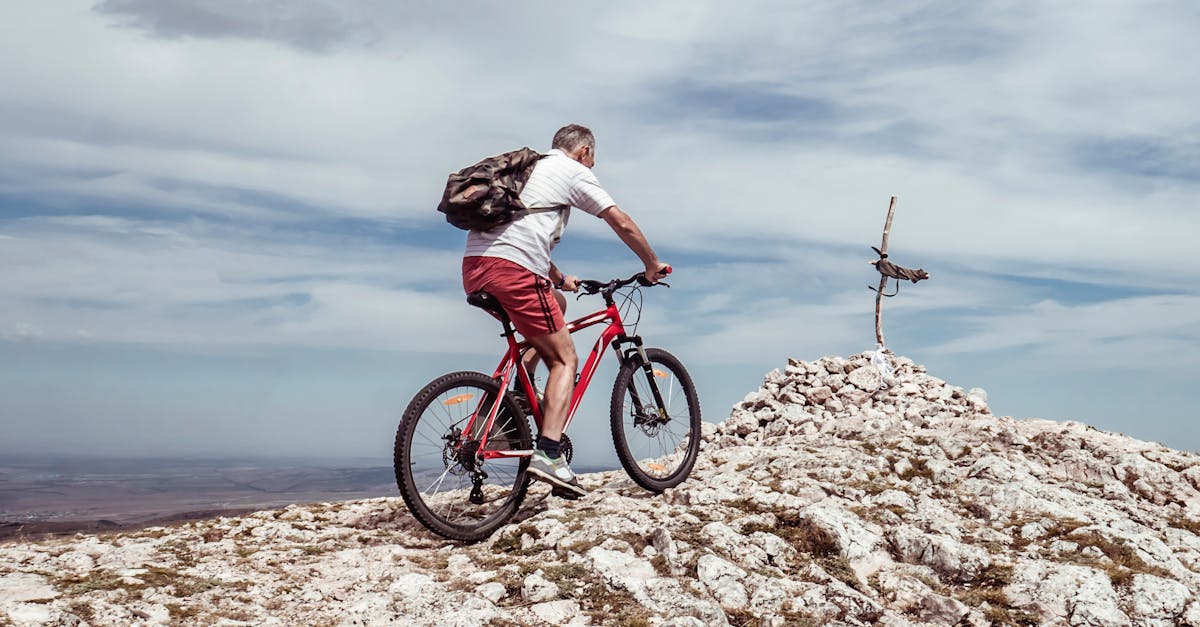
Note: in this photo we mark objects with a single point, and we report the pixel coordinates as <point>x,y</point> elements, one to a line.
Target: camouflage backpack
<point>488,194</point>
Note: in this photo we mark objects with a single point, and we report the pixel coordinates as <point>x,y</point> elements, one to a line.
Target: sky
<point>218,232</point>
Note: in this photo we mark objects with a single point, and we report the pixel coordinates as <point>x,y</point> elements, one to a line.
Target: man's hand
<point>570,283</point>
<point>656,271</point>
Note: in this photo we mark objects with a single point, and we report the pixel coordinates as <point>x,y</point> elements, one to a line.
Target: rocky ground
<point>825,498</point>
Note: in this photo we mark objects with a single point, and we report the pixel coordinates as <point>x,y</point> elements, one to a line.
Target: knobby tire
<point>657,455</point>
<point>433,480</point>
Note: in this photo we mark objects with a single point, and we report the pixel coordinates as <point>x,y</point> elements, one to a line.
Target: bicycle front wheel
<point>441,470</point>
<point>655,418</point>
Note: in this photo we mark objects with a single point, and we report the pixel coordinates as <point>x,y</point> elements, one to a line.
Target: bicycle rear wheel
<point>657,444</point>
<point>444,479</point>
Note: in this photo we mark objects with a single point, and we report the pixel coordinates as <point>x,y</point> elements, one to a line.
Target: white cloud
<point>23,332</point>
<point>131,281</point>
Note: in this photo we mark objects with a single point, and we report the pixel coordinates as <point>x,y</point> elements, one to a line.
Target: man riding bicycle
<point>512,263</point>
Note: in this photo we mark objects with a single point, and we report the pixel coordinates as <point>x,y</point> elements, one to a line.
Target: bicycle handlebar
<point>592,286</point>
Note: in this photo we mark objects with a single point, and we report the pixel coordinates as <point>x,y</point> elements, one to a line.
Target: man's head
<point>577,142</point>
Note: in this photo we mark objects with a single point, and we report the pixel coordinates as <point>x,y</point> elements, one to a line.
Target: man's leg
<point>558,351</point>
<point>531,357</point>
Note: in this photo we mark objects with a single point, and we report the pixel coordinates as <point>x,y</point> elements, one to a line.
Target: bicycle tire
<point>655,454</point>
<point>426,447</point>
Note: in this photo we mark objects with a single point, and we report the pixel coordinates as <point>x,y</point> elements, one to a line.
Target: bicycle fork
<point>640,414</point>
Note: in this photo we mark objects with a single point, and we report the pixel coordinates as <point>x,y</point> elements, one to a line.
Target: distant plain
<point>56,494</point>
<point>61,495</point>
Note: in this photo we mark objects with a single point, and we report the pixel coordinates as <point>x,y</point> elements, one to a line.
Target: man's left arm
<point>628,231</point>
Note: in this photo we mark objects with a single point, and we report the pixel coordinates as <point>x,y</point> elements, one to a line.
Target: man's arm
<point>629,233</point>
<point>564,282</point>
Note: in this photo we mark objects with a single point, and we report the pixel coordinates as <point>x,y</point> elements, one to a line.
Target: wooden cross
<point>888,270</point>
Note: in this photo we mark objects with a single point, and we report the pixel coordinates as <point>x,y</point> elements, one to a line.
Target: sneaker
<point>556,472</point>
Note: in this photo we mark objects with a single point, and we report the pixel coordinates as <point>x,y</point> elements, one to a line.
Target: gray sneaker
<point>556,472</point>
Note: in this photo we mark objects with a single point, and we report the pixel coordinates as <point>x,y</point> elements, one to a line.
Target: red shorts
<point>526,297</point>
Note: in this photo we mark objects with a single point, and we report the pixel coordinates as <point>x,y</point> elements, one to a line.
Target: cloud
<point>22,332</point>
<point>124,280</point>
<point>314,26</point>
<point>1143,332</point>
<point>1152,157</point>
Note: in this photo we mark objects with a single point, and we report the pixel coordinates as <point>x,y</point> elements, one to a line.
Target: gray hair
<point>572,136</point>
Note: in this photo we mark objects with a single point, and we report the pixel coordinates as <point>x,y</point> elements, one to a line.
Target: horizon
<point>218,227</point>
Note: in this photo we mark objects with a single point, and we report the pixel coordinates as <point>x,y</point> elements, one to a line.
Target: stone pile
<point>831,495</point>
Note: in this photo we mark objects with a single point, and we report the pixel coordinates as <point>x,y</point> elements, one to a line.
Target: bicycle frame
<point>512,365</point>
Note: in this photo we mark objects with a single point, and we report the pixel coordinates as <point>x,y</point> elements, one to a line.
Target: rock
<point>867,379</point>
<point>25,587</point>
<point>564,612</point>
<point>668,597</point>
<point>536,589</point>
<point>951,559</point>
<point>1065,593</point>
<point>847,533</point>
<point>1158,601</point>
<point>621,570</point>
<point>688,621</point>
<point>819,395</point>
<point>492,591</point>
<point>723,581</point>
<point>27,613</point>
<point>941,610</point>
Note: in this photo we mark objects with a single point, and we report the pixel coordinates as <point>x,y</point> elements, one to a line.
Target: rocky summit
<point>839,493</point>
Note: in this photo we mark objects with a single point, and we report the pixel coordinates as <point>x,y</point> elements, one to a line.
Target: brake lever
<point>589,287</point>
<point>644,282</point>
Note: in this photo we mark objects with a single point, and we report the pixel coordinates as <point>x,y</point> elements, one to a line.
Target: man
<point>512,263</point>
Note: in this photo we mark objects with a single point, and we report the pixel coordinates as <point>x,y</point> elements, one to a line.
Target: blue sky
<point>217,225</point>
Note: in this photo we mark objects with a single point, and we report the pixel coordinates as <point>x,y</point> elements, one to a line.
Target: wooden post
<point>887,229</point>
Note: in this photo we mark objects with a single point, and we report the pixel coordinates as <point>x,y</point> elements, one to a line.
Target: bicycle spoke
<point>437,483</point>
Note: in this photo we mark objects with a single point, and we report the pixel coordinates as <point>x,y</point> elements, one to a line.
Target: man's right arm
<point>628,231</point>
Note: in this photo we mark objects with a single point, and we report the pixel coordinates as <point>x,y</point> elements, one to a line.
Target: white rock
<point>492,591</point>
<point>621,570</point>
<point>723,581</point>
<point>536,588</point>
<point>408,586</point>
<point>1157,600</point>
<point>941,610</point>
<point>688,621</point>
<point>951,559</point>
<point>867,379</point>
<point>21,587</point>
<point>854,539</point>
<point>26,613</point>
<point>1066,593</point>
<point>564,612</point>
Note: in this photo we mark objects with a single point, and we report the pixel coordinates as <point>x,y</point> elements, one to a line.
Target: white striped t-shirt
<point>556,181</point>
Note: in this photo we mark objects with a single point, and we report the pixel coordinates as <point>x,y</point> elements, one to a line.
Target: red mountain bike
<point>464,441</point>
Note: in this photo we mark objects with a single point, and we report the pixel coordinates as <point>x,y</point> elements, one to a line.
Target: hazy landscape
<point>64,494</point>
<point>69,494</point>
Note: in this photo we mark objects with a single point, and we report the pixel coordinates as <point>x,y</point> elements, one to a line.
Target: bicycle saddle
<point>488,303</point>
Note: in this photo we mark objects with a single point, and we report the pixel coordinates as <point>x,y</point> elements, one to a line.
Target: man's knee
<point>556,349</point>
